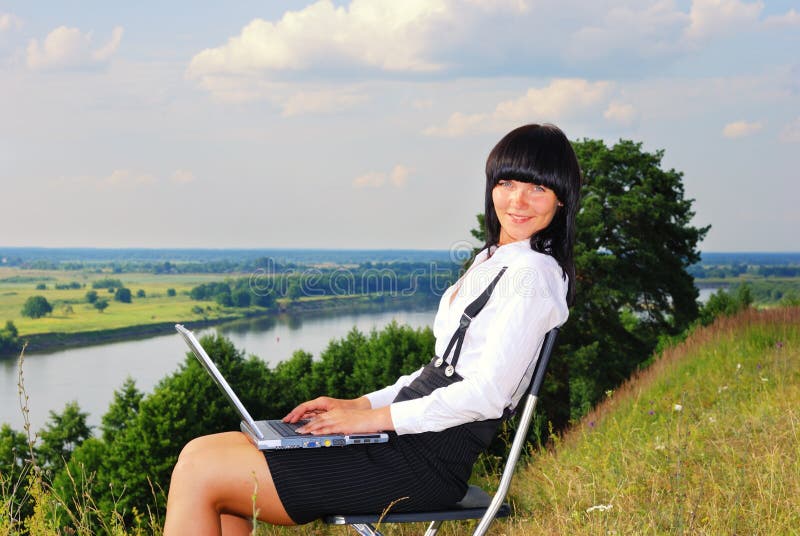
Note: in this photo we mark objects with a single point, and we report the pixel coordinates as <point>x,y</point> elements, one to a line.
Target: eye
<point>503,183</point>
<point>538,188</point>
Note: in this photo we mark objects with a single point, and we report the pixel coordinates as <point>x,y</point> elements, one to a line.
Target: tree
<point>101,305</point>
<point>140,293</point>
<point>634,245</point>
<point>91,296</point>
<point>123,295</point>
<point>36,307</point>
<point>171,292</point>
<point>9,339</point>
<point>63,434</point>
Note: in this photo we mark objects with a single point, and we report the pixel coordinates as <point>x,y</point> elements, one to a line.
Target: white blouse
<point>501,344</point>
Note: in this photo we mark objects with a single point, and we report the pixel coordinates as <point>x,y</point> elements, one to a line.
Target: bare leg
<point>221,477</point>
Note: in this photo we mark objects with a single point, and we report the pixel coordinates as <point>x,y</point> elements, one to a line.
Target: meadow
<point>73,314</point>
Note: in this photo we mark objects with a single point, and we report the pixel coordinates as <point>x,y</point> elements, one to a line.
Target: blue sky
<point>366,124</point>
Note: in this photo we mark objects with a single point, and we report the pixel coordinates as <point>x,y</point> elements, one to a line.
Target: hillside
<point>706,441</point>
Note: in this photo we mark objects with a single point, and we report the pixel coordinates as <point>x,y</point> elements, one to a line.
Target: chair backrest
<point>522,431</point>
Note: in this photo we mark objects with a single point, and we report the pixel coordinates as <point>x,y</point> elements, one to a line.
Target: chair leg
<point>365,529</point>
<point>433,528</point>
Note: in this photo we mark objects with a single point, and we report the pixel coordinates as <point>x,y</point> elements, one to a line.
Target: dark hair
<point>539,154</point>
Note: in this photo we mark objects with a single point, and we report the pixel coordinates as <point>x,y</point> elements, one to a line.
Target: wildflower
<point>609,393</point>
<point>651,412</point>
<point>712,419</point>
<point>723,388</point>
<point>738,366</point>
<point>678,407</point>
<point>764,379</point>
<point>779,344</point>
<point>591,424</point>
<point>600,507</point>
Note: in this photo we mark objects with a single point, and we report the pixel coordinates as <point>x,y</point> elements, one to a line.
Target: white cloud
<point>382,34</point>
<point>643,29</point>
<point>397,177</point>
<point>320,101</point>
<point>562,98</point>
<point>126,178</point>
<point>740,129</point>
<point>9,21</point>
<point>70,48</point>
<point>710,18</point>
<point>621,113</point>
<point>183,176</point>
<point>791,132</point>
<point>789,19</point>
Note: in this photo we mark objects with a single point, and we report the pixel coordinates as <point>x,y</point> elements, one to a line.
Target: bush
<point>91,296</point>
<point>171,292</point>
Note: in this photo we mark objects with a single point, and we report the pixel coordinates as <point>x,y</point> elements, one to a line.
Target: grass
<point>705,441</point>
<point>155,307</point>
<point>72,314</point>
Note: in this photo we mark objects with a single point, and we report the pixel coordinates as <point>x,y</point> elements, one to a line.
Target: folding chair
<point>476,504</point>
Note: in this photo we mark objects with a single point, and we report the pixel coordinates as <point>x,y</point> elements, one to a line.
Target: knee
<point>192,460</point>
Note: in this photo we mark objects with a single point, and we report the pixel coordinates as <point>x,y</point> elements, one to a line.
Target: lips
<point>517,218</point>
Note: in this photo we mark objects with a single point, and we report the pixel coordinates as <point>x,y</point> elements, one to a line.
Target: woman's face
<point>523,209</point>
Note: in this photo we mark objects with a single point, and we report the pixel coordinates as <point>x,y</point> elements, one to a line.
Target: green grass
<point>155,307</point>
<point>706,441</point>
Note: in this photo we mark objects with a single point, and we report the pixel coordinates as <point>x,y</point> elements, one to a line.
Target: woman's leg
<point>221,475</point>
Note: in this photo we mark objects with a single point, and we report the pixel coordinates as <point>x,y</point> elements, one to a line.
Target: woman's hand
<point>336,416</point>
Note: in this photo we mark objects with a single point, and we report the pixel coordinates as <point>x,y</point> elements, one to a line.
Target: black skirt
<point>411,472</point>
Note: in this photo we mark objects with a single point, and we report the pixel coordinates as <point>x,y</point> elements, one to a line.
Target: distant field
<point>16,286</point>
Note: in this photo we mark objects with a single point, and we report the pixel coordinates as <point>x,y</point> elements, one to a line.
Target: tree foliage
<point>9,339</point>
<point>123,294</point>
<point>36,307</point>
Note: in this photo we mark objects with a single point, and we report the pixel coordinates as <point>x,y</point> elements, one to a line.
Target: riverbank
<point>308,307</point>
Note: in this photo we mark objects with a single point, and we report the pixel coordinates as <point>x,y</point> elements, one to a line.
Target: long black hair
<point>539,154</point>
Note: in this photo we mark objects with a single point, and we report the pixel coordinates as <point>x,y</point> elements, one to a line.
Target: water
<point>90,375</point>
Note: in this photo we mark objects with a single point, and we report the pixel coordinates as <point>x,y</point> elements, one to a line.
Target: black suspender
<point>469,313</point>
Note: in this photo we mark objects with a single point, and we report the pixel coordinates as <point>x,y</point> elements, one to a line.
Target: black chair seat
<point>472,506</point>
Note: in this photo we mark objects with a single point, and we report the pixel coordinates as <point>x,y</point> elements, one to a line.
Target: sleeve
<point>383,397</point>
<point>506,347</point>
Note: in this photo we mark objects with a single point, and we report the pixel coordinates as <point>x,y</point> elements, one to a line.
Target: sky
<point>366,123</point>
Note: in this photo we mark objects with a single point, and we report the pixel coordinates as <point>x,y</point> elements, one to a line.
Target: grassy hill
<point>706,441</point>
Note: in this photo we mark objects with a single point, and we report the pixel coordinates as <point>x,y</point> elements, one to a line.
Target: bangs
<point>536,157</point>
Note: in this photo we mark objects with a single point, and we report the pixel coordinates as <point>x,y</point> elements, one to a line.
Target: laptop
<point>272,434</point>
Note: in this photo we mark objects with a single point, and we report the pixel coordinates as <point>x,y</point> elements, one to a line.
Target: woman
<point>488,328</point>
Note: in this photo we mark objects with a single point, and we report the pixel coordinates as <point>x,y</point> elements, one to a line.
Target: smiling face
<point>523,209</point>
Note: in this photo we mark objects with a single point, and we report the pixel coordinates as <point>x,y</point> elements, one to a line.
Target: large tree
<point>36,307</point>
<point>634,244</point>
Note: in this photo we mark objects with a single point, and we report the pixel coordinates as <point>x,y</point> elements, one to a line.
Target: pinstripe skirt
<point>411,472</point>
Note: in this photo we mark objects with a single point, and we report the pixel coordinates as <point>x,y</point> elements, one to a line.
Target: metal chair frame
<point>476,504</point>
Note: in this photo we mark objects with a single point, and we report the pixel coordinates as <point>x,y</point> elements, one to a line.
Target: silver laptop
<point>273,434</point>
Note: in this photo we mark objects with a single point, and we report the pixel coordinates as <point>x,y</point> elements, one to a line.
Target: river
<point>90,375</point>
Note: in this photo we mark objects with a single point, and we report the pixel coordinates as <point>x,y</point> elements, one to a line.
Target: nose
<point>518,198</point>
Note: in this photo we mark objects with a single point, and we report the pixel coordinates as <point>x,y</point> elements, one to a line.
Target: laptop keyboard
<point>287,429</point>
